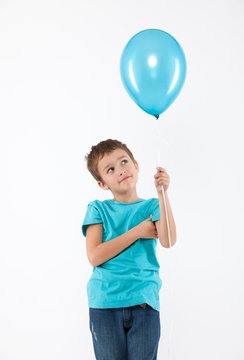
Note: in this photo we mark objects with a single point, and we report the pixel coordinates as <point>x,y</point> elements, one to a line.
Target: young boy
<point>121,239</point>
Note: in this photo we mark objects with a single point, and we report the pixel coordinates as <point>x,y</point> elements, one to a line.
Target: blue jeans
<point>129,333</point>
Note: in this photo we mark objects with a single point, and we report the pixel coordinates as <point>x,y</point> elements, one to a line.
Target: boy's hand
<point>147,229</point>
<point>161,178</point>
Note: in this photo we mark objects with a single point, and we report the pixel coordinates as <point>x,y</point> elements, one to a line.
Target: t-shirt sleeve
<point>155,211</point>
<point>92,217</point>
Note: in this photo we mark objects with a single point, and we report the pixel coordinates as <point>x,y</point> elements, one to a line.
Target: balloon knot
<point>156,116</point>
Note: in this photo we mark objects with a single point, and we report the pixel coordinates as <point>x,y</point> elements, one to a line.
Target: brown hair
<point>98,151</point>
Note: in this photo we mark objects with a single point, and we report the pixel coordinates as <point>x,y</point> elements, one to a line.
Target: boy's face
<point>113,169</point>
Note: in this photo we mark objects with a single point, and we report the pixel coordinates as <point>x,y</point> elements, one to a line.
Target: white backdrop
<point>61,93</point>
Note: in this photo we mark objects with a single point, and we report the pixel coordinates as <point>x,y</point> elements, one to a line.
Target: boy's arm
<point>161,225</point>
<point>101,252</point>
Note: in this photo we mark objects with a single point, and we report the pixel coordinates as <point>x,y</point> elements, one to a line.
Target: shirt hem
<point>122,303</point>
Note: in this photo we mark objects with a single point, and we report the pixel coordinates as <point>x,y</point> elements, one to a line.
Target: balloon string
<point>159,141</point>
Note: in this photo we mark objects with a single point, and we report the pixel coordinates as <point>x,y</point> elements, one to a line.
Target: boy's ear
<point>102,185</point>
<point>136,165</point>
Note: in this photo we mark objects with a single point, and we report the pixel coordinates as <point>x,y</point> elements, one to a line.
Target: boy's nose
<point>122,172</point>
<point>122,175</point>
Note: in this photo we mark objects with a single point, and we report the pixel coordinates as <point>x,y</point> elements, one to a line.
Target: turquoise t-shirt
<point>131,277</point>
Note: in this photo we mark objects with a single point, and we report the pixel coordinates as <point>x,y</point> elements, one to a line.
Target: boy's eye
<point>112,167</point>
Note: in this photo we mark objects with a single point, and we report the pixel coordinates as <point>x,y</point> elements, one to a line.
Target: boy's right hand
<point>147,229</point>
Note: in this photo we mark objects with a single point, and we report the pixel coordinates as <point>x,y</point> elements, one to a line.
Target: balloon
<point>153,69</point>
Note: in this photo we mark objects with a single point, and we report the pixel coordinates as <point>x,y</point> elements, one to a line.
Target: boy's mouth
<point>125,178</point>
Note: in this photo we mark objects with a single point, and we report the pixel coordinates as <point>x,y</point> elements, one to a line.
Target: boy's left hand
<point>161,178</point>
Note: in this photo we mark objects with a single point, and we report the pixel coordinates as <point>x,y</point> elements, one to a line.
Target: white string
<point>159,142</point>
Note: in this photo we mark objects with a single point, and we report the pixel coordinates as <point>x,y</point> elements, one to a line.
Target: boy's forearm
<point>163,228</point>
<point>107,250</point>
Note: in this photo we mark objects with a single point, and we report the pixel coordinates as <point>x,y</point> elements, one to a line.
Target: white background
<point>61,93</point>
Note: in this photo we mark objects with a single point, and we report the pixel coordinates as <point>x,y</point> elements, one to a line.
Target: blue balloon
<point>153,70</point>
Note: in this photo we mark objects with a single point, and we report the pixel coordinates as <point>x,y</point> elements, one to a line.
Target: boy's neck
<point>126,200</point>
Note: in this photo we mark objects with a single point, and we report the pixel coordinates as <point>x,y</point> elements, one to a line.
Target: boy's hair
<point>98,151</point>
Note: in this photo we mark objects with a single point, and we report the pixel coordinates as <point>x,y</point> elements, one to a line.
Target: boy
<point>121,238</point>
